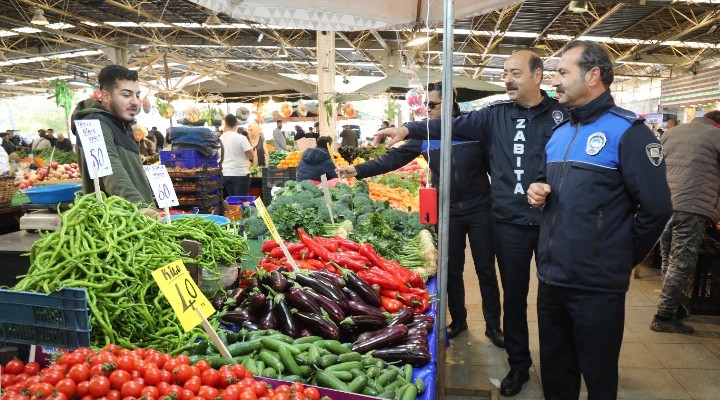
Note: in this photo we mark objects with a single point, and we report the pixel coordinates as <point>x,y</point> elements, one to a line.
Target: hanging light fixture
<point>282,52</point>
<point>418,39</point>
<point>213,19</point>
<point>578,6</point>
<point>39,17</point>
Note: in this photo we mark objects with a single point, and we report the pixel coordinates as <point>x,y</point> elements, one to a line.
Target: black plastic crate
<point>702,292</point>
<point>200,173</point>
<point>59,319</point>
<point>201,200</point>
<point>272,176</point>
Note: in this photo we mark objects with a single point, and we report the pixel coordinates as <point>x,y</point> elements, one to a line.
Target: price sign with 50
<point>93,145</point>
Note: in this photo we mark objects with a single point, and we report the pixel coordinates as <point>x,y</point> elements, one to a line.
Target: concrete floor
<point>652,365</point>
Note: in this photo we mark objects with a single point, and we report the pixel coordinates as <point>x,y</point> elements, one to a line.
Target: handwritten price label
<point>161,185</point>
<point>93,144</point>
<point>183,294</point>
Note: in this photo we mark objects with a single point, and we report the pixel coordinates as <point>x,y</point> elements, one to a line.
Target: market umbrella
<point>343,15</point>
<point>468,89</point>
<point>251,84</point>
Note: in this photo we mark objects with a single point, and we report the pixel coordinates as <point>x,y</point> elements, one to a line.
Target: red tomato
<point>126,363</point>
<point>99,386</point>
<point>161,387</point>
<point>187,394</point>
<point>165,376</point>
<point>280,396</point>
<point>131,389</point>
<point>112,348</point>
<point>238,370</point>
<point>51,376</point>
<point>118,377</point>
<point>14,367</point>
<point>297,387</point>
<point>227,378</point>
<point>170,365</point>
<point>203,365</point>
<point>7,380</point>
<point>260,389</point>
<point>210,377</point>
<point>58,396</point>
<point>79,373</point>
<point>311,393</point>
<point>297,396</point>
<point>67,387</point>
<point>156,359</point>
<point>282,389</point>
<point>42,389</point>
<point>140,364</point>
<point>71,359</point>
<point>152,376</point>
<point>139,353</point>
<point>182,359</point>
<point>182,373</point>
<point>32,368</point>
<point>208,392</point>
<point>82,388</point>
<point>193,384</point>
<point>20,377</point>
<point>247,395</point>
<point>104,358</point>
<point>248,382</point>
<point>150,391</point>
<point>177,390</point>
<point>100,370</point>
<point>113,395</point>
<point>230,393</point>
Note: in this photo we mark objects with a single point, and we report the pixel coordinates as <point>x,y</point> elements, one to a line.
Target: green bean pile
<point>110,248</point>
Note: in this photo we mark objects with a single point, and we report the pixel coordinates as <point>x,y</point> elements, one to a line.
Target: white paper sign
<point>161,185</point>
<point>93,144</point>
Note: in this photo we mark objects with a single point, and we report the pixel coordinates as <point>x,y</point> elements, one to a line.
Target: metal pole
<point>445,156</point>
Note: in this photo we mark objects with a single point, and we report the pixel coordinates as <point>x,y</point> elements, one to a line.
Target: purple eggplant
<point>258,301</point>
<point>287,322</point>
<point>325,288</point>
<point>428,326</point>
<point>405,316</point>
<point>364,323</point>
<point>381,338</point>
<point>327,275</point>
<point>269,321</point>
<point>360,308</point>
<point>218,302</point>
<point>414,341</point>
<point>239,316</point>
<point>251,326</point>
<point>318,324</point>
<point>333,309</point>
<point>351,294</point>
<point>278,281</point>
<point>239,294</point>
<point>415,331</point>
<point>364,290</point>
<point>416,357</point>
<point>424,317</point>
<point>303,301</point>
<point>305,332</point>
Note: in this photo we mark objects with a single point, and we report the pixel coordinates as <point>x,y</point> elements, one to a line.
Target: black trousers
<point>476,226</point>
<point>514,247</point>
<point>580,335</point>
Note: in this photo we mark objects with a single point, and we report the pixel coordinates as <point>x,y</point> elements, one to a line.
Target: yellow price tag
<point>263,212</point>
<point>183,294</point>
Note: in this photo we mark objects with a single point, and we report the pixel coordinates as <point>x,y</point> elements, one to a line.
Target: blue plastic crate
<point>187,159</point>
<point>59,319</point>
<point>242,201</point>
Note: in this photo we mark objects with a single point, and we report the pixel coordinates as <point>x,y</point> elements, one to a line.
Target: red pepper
<point>391,305</point>
<point>277,253</point>
<point>305,265</point>
<point>393,294</point>
<point>331,268</point>
<point>396,269</point>
<point>268,245</point>
<point>419,292</point>
<point>295,247</point>
<point>382,278</point>
<point>422,307</point>
<point>417,281</point>
<point>327,255</point>
<point>329,244</point>
<point>347,243</point>
<point>312,245</point>
<point>368,251</point>
<point>316,263</point>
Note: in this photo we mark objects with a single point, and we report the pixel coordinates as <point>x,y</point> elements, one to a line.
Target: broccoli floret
<point>290,185</point>
<point>413,226</point>
<point>255,227</point>
<point>395,217</point>
<point>346,200</point>
<point>362,218</point>
<point>361,186</point>
<point>341,190</point>
<point>280,201</point>
<point>380,205</point>
<point>310,187</point>
<point>365,209</point>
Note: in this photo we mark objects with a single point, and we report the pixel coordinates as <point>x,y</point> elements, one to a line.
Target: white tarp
<point>339,15</point>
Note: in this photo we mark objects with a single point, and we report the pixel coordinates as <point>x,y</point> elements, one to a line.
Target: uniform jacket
<point>692,154</point>
<point>609,200</point>
<point>516,137</point>
<point>315,162</point>
<point>128,179</point>
<point>470,185</point>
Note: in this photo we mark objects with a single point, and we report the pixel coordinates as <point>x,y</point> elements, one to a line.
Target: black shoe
<point>455,328</point>
<point>496,336</point>
<point>512,384</point>
<point>671,325</point>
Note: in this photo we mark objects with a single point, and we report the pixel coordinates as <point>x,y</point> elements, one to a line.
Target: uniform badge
<point>557,116</point>
<point>595,143</point>
<point>655,153</point>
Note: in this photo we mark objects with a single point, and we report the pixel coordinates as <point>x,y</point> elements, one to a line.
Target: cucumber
<point>201,347</point>
<point>345,376</point>
<point>336,347</point>
<point>218,361</point>
<point>307,339</point>
<point>346,366</point>
<point>243,348</point>
<point>358,384</point>
<point>388,376</point>
<point>410,393</point>
<point>269,372</point>
<point>327,361</point>
<point>351,356</point>
<point>327,380</point>
<point>368,391</point>
<point>286,357</point>
<point>271,359</point>
<point>407,371</point>
<point>274,345</point>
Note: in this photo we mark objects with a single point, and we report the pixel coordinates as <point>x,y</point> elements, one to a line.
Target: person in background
<point>384,125</point>
<point>671,123</point>
<point>145,146</point>
<point>51,136</point>
<point>279,137</point>
<point>17,141</point>
<point>7,144</point>
<point>312,134</point>
<point>470,217</point>
<point>316,161</point>
<point>515,131</point>
<point>237,155</point>
<point>159,138</point>
<point>41,142</point>
<point>606,201</point>
<point>311,130</point>
<point>299,133</point>
<point>150,137</point>
<point>116,111</point>
<point>692,155</point>
<point>63,144</point>
<point>349,137</point>
<point>257,141</point>
<point>4,158</point>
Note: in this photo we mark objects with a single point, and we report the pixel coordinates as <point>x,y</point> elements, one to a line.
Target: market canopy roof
<point>247,85</point>
<point>468,89</point>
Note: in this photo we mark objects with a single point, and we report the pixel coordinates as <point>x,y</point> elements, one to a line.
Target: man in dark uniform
<point>606,201</point>
<point>469,216</point>
<point>516,132</point>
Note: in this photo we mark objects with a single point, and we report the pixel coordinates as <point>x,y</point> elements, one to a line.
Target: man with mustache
<point>116,111</point>
<point>606,200</point>
<point>516,132</point>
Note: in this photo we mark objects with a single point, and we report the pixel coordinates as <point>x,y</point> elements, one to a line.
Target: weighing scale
<point>42,217</point>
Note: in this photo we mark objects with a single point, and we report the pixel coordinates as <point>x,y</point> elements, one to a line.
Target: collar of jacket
<point>519,111</point>
<point>593,110</point>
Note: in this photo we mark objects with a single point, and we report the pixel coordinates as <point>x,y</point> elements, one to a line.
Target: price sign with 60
<point>93,145</point>
<point>161,185</point>
<point>183,294</point>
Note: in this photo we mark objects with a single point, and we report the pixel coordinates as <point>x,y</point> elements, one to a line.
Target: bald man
<point>516,131</point>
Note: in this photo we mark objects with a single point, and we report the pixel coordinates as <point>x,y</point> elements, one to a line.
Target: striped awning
<point>691,90</point>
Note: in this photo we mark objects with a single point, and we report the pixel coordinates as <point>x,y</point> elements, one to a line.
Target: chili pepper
<point>277,252</point>
<point>419,292</point>
<point>295,247</point>
<point>268,245</point>
<point>422,307</point>
<point>393,294</point>
<point>396,269</point>
<point>316,263</point>
<point>329,244</point>
<point>326,255</point>
<point>382,278</point>
<point>368,251</point>
<point>347,243</point>
<point>391,305</point>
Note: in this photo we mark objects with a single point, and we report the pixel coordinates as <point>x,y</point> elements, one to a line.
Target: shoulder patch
<point>627,114</point>
<point>655,153</point>
<point>558,116</point>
